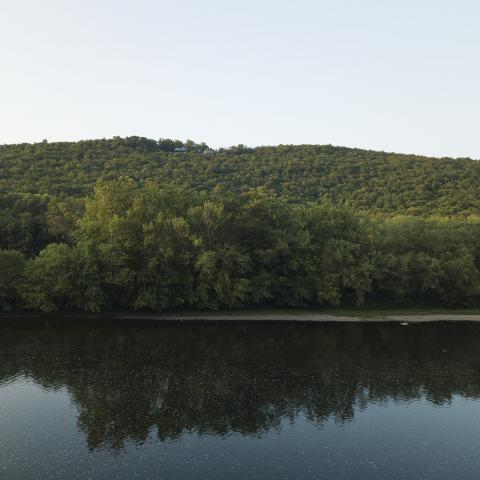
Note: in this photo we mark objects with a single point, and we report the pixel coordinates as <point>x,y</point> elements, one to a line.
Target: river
<point>126,400</point>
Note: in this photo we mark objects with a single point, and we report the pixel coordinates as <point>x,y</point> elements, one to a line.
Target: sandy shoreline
<point>296,317</point>
<point>256,316</point>
<point>291,317</point>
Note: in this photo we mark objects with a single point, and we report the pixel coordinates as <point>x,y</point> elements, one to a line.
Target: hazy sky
<point>399,75</point>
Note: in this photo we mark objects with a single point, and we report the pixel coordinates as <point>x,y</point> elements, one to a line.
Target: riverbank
<point>287,315</point>
<point>300,316</point>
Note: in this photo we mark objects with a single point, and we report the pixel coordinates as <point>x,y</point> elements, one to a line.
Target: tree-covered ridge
<point>364,180</point>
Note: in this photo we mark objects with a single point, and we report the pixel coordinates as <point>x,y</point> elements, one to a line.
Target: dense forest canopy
<point>364,180</point>
<point>142,224</point>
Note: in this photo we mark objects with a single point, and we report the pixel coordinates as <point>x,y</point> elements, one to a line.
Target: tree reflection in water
<point>129,381</point>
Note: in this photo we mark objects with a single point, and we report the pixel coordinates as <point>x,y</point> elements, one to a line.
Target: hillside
<point>81,227</point>
<point>364,180</point>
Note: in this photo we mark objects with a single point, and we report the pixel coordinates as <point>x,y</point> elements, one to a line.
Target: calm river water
<point>239,401</point>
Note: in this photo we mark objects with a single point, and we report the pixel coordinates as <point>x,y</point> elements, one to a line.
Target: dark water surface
<point>239,401</point>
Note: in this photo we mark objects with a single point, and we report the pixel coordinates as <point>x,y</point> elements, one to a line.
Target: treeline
<point>363,180</point>
<point>155,247</point>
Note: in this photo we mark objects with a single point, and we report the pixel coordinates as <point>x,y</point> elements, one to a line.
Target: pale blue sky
<point>398,75</point>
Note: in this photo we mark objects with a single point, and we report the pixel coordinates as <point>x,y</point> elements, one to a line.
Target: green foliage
<point>137,224</point>
<point>64,277</point>
<point>157,247</point>
<point>29,222</point>
<point>50,278</point>
<point>365,180</point>
<point>428,258</point>
<point>12,276</point>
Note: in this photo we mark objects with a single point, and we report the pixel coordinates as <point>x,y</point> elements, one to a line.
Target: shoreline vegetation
<point>157,247</point>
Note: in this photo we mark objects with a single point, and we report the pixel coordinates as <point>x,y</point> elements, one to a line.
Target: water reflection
<point>127,382</point>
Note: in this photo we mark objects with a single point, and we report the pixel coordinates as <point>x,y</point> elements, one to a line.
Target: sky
<point>399,76</point>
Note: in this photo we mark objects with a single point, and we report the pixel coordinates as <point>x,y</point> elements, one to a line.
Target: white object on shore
<point>404,323</point>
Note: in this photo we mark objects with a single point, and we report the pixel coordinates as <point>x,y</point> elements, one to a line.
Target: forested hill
<point>364,180</point>
<point>184,241</point>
